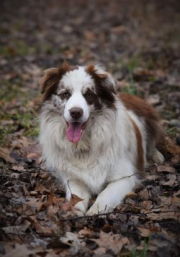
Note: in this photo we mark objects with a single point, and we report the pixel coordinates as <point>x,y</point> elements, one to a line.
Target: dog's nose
<point>76,113</point>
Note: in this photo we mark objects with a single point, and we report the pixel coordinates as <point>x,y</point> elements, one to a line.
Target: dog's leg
<point>112,195</point>
<point>157,157</point>
<point>78,188</point>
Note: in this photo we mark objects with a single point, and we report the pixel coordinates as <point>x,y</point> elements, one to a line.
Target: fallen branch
<point>115,212</point>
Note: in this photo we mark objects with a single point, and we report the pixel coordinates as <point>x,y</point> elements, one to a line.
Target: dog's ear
<point>104,83</point>
<point>102,77</point>
<point>50,81</point>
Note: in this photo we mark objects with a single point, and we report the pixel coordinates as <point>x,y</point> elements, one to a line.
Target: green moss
<point>20,120</point>
<point>9,91</point>
<point>130,89</point>
<point>168,115</point>
<point>17,47</point>
<point>141,253</point>
<point>172,132</point>
<point>4,132</point>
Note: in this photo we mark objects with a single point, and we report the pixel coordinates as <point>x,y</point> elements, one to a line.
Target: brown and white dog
<point>94,140</point>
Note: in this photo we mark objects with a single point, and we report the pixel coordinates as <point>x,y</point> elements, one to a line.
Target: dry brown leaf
<point>165,201</point>
<point>86,232</point>
<point>25,191</point>
<point>40,187</point>
<point>153,99</point>
<point>18,168</point>
<point>144,194</point>
<point>5,155</point>
<point>51,211</point>
<point>41,229</point>
<point>50,199</point>
<point>21,143</point>
<point>69,206</point>
<point>72,240</point>
<point>17,230</point>
<point>89,35</point>
<point>142,74</point>
<point>20,251</point>
<point>170,182</point>
<point>176,201</point>
<point>100,251</point>
<point>74,200</point>
<point>171,148</point>
<point>32,151</point>
<point>144,232</point>
<point>131,194</point>
<point>164,215</point>
<point>165,168</point>
<point>108,241</point>
<point>33,193</point>
<point>44,175</point>
<point>46,231</point>
<point>146,205</point>
<point>66,207</point>
<point>32,205</point>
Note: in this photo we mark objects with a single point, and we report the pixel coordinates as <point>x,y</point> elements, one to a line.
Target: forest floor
<point>139,42</point>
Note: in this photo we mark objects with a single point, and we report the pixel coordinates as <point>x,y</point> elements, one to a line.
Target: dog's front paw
<point>98,209</point>
<point>78,213</point>
<point>158,157</point>
<point>80,208</point>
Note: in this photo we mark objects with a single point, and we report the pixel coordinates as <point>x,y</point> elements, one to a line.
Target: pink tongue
<point>73,132</point>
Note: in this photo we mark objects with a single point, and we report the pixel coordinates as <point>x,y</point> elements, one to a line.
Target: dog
<point>94,139</point>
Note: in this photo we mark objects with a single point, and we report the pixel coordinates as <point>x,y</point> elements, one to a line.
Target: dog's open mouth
<point>74,131</point>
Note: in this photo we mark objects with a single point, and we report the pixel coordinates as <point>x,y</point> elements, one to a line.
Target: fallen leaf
<point>164,215</point>
<point>154,99</point>
<point>32,205</point>
<point>17,230</point>
<point>44,175</point>
<point>171,179</point>
<point>176,201</point>
<point>74,200</point>
<point>85,232</point>
<point>144,232</point>
<point>72,240</point>
<point>45,231</point>
<point>144,194</point>
<point>5,155</point>
<point>21,143</point>
<point>18,168</point>
<point>141,74</point>
<point>165,201</point>
<point>165,168</point>
<point>147,205</point>
<point>25,191</point>
<point>40,187</point>
<point>169,147</point>
<point>20,251</point>
<point>108,241</point>
<point>51,210</point>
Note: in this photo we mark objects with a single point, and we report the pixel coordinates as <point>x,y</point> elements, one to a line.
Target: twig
<point>114,212</point>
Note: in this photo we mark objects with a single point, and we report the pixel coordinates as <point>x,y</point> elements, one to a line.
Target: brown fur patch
<point>141,108</point>
<point>49,82</point>
<point>105,93</point>
<point>140,151</point>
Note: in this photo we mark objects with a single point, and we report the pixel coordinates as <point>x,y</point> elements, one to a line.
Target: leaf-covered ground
<point>139,42</point>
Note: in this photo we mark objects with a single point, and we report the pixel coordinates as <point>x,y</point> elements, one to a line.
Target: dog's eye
<point>89,95</point>
<point>65,95</point>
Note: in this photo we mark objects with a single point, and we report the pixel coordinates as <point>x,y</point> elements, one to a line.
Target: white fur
<point>77,80</point>
<point>103,162</point>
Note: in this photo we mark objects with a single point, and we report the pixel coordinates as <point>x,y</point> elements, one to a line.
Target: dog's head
<point>77,93</point>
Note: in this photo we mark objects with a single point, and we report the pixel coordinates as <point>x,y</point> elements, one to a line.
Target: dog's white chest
<point>90,171</point>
